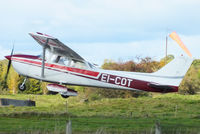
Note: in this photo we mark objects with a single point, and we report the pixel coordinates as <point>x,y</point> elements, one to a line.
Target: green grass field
<point>176,113</point>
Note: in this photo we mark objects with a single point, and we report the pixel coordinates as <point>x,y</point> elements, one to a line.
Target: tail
<point>173,72</point>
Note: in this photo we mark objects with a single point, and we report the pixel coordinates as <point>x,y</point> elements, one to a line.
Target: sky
<point>102,29</point>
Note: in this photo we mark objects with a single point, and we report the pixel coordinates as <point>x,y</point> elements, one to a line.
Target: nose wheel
<point>22,86</point>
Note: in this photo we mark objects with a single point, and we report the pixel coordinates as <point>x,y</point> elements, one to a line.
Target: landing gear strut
<point>22,86</point>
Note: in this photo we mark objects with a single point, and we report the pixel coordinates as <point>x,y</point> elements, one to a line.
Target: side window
<point>55,59</point>
<point>63,61</point>
<point>78,64</point>
<point>72,63</point>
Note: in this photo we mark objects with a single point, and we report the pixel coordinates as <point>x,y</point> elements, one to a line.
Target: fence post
<point>158,128</point>
<point>69,127</point>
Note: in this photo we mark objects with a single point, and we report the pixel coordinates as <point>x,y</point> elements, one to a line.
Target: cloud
<point>100,29</point>
<point>98,52</point>
<point>102,21</point>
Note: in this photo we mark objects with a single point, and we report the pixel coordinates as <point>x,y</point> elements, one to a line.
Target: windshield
<point>91,65</point>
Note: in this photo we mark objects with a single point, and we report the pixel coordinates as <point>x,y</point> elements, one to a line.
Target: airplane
<point>60,65</point>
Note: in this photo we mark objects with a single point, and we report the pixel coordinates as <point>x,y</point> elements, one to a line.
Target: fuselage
<point>30,66</point>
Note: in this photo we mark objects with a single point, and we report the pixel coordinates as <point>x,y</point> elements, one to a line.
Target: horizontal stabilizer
<point>163,88</point>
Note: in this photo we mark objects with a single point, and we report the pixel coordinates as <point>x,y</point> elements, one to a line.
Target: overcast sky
<point>102,29</point>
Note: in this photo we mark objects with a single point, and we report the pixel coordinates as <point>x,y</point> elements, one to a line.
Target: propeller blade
<point>8,68</point>
<point>9,62</point>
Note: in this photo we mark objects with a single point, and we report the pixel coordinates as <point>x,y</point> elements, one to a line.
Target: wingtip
<point>41,34</point>
<point>30,33</point>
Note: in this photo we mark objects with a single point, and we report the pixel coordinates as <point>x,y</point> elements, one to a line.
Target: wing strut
<point>43,57</point>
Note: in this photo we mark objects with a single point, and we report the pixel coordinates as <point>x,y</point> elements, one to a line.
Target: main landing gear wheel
<point>64,96</point>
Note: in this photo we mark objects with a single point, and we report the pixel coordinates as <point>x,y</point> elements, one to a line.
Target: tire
<point>64,96</point>
<point>22,87</point>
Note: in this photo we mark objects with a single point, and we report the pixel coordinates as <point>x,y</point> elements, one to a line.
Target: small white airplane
<point>63,66</point>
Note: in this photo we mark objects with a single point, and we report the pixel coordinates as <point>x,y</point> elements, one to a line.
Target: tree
<point>191,81</point>
<point>13,79</point>
<point>145,65</point>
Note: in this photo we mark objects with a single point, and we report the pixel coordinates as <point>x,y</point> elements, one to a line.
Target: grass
<point>176,113</point>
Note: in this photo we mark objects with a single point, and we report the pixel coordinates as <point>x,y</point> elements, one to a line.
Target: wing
<point>55,46</point>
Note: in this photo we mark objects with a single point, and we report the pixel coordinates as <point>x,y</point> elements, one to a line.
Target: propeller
<point>9,64</point>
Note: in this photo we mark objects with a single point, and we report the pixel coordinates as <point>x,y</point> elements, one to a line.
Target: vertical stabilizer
<point>173,72</point>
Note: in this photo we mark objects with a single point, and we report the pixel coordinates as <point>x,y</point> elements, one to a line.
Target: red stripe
<point>135,84</point>
<point>71,69</point>
<point>26,56</point>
